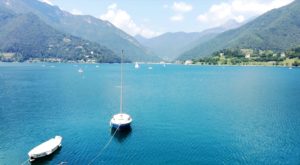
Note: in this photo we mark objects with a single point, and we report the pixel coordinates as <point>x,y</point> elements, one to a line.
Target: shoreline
<point>153,63</point>
<point>280,66</point>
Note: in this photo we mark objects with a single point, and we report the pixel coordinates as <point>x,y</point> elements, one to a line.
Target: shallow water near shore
<point>181,114</point>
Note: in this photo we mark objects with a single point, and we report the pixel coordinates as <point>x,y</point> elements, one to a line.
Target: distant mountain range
<point>170,45</point>
<point>278,29</point>
<point>85,27</point>
<point>28,37</point>
<point>30,28</point>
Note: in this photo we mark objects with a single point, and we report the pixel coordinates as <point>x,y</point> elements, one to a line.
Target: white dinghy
<point>45,149</point>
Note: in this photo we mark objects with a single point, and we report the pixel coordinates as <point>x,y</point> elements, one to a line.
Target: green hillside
<point>276,30</point>
<point>26,36</point>
<point>86,27</point>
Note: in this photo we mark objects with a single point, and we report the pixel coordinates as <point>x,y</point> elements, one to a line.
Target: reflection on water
<point>122,134</point>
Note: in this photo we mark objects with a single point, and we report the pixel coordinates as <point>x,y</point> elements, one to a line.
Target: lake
<point>181,114</point>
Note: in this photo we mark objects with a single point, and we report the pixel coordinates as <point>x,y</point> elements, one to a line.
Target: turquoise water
<point>181,114</point>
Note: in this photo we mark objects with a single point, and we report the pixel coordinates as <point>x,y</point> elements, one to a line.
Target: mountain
<point>86,27</point>
<point>170,45</point>
<point>228,25</point>
<point>278,29</point>
<point>29,37</point>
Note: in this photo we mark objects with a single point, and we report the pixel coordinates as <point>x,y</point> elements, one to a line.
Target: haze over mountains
<point>170,45</point>
<point>278,29</point>
<point>86,27</point>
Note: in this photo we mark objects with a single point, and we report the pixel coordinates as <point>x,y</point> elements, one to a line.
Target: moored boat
<point>80,70</point>
<point>121,120</point>
<point>45,149</point>
<point>136,66</point>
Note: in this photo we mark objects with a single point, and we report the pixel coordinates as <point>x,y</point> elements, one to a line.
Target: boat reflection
<point>122,134</point>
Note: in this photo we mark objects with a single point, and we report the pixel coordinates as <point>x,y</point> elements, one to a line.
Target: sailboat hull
<point>120,121</point>
<point>120,126</point>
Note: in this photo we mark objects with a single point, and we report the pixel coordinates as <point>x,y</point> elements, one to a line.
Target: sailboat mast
<point>121,92</point>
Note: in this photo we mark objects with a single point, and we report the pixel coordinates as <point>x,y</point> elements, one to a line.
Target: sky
<point>150,18</point>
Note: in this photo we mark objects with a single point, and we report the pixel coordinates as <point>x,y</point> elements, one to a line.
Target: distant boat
<point>150,68</point>
<point>136,66</point>
<point>163,63</point>
<point>97,66</point>
<point>290,67</point>
<point>45,149</point>
<point>121,120</point>
<point>80,70</point>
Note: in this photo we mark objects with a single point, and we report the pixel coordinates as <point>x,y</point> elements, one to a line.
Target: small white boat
<point>150,68</point>
<point>136,66</point>
<point>45,148</point>
<point>80,70</point>
<point>121,121</point>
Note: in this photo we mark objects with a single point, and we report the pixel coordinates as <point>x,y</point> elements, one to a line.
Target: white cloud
<point>177,18</point>
<point>47,1</point>
<point>238,10</point>
<point>121,19</point>
<point>182,7</point>
<point>76,12</point>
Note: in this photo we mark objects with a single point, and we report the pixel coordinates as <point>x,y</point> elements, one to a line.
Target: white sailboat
<point>45,149</point>
<point>80,70</point>
<point>121,120</point>
<point>136,66</point>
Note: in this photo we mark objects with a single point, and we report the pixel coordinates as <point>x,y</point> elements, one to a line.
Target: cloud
<point>239,10</point>
<point>121,19</point>
<point>182,7</point>
<point>76,12</point>
<point>48,2</point>
<point>177,18</point>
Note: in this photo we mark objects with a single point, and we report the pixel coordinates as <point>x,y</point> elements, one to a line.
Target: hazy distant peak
<point>232,23</point>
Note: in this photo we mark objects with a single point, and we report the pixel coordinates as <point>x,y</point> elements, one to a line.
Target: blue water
<point>181,114</point>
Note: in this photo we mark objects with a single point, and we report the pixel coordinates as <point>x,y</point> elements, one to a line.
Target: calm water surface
<point>182,114</point>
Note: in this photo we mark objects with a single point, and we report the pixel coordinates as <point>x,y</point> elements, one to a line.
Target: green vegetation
<point>86,27</point>
<point>252,57</point>
<point>25,37</point>
<point>277,30</point>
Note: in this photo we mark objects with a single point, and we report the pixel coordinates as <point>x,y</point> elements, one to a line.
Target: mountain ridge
<point>29,37</point>
<point>83,26</point>
<point>278,29</point>
<point>171,44</point>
